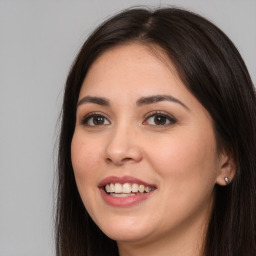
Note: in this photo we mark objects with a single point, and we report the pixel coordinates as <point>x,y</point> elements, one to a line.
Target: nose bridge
<point>123,145</point>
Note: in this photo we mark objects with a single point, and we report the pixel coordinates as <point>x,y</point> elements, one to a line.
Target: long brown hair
<point>212,69</point>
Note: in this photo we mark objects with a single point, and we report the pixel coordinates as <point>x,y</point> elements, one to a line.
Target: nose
<point>123,146</point>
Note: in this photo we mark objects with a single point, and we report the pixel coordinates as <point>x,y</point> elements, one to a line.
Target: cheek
<point>187,169</point>
<point>186,158</point>
<point>84,156</point>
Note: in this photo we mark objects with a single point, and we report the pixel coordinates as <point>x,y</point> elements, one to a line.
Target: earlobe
<point>227,180</point>
<point>227,170</point>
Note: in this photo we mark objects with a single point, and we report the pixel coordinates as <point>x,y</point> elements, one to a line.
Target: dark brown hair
<point>212,69</point>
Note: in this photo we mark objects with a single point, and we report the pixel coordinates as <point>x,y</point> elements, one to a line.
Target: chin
<point>126,233</point>
<point>126,237</point>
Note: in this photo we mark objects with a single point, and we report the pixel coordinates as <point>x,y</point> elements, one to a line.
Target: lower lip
<point>124,201</point>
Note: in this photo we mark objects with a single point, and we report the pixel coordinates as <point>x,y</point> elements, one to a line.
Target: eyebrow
<point>158,98</point>
<point>97,100</point>
<point>140,102</point>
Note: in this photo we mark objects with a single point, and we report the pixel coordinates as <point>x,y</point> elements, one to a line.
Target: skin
<point>180,158</point>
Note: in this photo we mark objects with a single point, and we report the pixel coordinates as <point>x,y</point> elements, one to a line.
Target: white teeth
<point>110,188</point>
<point>118,188</point>
<point>121,195</point>
<point>141,188</point>
<point>135,188</point>
<point>147,189</point>
<point>126,189</point>
<point>107,188</point>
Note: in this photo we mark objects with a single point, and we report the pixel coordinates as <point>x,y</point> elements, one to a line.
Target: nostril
<point>119,161</point>
<point>126,159</point>
<point>108,160</point>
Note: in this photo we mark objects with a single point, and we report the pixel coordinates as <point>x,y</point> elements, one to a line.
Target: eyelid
<point>86,117</point>
<point>168,116</point>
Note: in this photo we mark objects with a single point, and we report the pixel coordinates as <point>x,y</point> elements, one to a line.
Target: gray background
<point>38,42</point>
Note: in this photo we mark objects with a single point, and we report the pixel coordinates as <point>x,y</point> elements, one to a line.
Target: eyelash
<point>86,119</point>
<point>167,118</point>
<point>160,114</point>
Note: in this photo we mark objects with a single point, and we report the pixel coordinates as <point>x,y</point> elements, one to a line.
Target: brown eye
<point>95,120</point>
<point>98,120</point>
<point>159,120</point>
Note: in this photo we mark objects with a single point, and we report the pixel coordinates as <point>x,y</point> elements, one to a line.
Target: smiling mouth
<point>127,189</point>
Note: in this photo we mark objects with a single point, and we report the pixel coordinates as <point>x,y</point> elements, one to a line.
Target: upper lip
<point>122,180</point>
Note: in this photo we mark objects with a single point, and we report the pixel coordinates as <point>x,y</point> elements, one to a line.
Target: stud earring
<point>227,180</point>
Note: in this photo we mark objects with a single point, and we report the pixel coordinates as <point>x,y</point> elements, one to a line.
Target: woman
<point>157,145</point>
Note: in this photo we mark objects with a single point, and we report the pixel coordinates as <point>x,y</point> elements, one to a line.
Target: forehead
<point>138,51</point>
<point>131,64</point>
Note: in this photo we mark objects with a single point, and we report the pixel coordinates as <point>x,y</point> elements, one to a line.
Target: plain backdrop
<point>38,42</point>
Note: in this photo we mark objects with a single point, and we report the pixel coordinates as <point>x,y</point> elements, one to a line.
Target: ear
<point>227,169</point>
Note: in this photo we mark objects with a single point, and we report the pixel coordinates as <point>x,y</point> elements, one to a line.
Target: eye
<point>94,119</point>
<point>159,119</point>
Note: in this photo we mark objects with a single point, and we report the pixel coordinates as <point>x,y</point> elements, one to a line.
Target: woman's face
<point>143,137</point>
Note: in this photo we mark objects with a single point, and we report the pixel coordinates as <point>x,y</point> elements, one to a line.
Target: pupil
<point>160,120</point>
<point>98,120</point>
